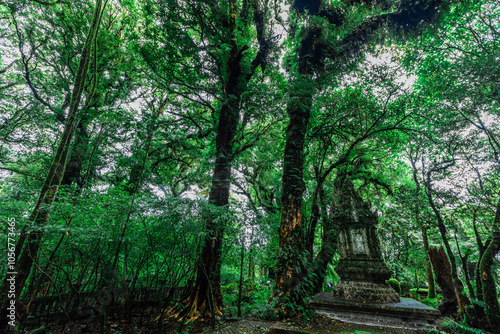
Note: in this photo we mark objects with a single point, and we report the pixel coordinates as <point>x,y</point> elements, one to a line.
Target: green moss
<point>394,283</point>
<point>421,291</point>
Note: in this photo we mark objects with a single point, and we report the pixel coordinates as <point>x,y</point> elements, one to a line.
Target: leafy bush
<point>229,275</point>
<point>286,309</point>
<point>267,311</point>
<point>254,298</point>
<point>432,302</point>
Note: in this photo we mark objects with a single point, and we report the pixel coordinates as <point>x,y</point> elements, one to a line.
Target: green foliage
<point>432,302</point>
<point>254,299</point>
<point>453,327</point>
<point>274,310</point>
<point>229,274</point>
<point>418,293</point>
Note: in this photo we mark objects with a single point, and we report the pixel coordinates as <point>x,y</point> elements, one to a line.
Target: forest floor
<point>318,325</point>
<point>140,320</point>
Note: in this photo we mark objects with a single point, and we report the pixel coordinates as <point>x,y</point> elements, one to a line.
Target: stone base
<point>381,293</point>
<point>364,269</point>
<point>407,315</point>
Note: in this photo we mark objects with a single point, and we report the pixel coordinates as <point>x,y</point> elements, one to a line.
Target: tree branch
<point>16,171</point>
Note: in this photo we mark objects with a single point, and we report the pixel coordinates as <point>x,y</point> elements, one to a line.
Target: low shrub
<point>432,302</point>
<point>254,298</point>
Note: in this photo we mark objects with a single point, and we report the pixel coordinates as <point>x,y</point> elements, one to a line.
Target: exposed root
<point>189,310</point>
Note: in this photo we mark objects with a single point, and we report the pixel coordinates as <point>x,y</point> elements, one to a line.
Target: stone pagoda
<point>362,297</point>
<point>361,268</point>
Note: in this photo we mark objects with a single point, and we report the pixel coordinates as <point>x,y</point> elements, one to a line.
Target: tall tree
<point>353,29</point>
<point>221,30</point>
<point>30,242</point>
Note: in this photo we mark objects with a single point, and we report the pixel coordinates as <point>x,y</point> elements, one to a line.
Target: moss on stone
<point>394,283</point>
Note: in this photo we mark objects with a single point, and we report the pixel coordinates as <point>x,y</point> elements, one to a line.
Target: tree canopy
<point>185,157</point>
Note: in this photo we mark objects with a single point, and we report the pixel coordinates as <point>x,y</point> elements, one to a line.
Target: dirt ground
<point>145,321</point>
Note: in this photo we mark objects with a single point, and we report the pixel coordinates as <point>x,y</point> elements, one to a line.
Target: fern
<point>453,327</point>
<point>478,303</point>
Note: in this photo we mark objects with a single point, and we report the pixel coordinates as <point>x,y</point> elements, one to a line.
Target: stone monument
<point>361,268</point>
<point>362,296</point>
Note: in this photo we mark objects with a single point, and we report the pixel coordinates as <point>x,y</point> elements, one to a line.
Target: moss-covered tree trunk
<point>290,232</point>
<point>290,266</point>
<point>291,261</point>
<point>205,298</point>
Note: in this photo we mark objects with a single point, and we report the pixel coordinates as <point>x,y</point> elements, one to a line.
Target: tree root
<point>189,310</point>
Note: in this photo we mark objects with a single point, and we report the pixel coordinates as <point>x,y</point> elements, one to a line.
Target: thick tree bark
<point>442,269</point>
<point>74,166</point>
<point>290,268</point>
<point>206,297</point>
<point>73,171</point>
<point>31,240</point>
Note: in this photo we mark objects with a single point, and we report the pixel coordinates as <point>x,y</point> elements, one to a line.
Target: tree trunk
<point>480,246</point>
<point>291,266</point>
<point>73,171</point>
<point>430,277</point>
<point>488,279</point>
<point>463,300</point>
<point>328,245</point>
<point>442,269</point>
<point>206,296</point>
<point>465,269</point>
<point>31,241</point>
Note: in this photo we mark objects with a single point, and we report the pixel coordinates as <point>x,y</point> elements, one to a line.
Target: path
<point>243,326</point>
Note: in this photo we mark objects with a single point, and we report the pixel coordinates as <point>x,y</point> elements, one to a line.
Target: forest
<point>168,166</point>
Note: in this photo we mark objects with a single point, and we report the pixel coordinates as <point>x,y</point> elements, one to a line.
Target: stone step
<point>408,315</point>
